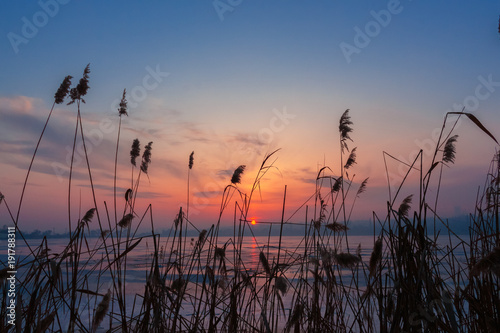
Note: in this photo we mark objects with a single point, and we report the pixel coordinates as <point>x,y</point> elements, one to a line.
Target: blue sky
<point>229,72</point>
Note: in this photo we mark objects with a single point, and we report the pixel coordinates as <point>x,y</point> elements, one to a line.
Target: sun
<point>253,222</point>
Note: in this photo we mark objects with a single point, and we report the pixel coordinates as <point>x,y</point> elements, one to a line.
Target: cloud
<point>18,104</point>
<point>21,122</point>
<point>207,194</point>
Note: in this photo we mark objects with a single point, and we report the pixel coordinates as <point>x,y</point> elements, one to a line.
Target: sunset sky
<point>233,80</point>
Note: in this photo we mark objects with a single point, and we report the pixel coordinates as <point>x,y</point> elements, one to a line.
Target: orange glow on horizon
<point>253,222</point>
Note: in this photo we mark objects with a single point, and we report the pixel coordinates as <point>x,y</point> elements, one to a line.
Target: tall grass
<point>409,283</point>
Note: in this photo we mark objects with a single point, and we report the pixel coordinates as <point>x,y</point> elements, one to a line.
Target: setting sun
<point>253,222</point>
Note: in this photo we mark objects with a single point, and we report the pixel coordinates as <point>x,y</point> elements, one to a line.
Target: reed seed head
<point>102,309</point>
<point>177,284</point>
<point>126,221</point>
<point>236,179</point>
<point>264,262</point>
<point>191,160</point>
<point>281,284</point>
<point>351,159</point>
<point>450,150</point>
<point>362,187</point>
<point>3,274</point>
<point>89,215</point>
<point>81,89</point>
<point>220,252</point>
<point>46,322</point>
<point>135,151</point>
<point>376,256</point>
<point>294,319</point>
<point>178,218</point>
<point>345,129</point>
<point>202,236</point>
<point>104,234</point>
<point>337,227</point>
<point>146,157</point>
<point>346,260</point>
<point>404,208</point>
<point>491,262</point>
<point>128,195</point>
<point>63,90</point>
<point>122,110</point>
<point>337,185</point>
<point>56,271</point>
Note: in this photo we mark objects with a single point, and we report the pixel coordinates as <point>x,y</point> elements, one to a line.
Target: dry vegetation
<point>409,283</point>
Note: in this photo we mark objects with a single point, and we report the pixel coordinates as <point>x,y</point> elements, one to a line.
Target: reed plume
<point>236,178</point>
<point>89,215</point>
<point>264,262</point>
<point>81,89</point>
<point>345,129</point>
<point>122,110</point>
<point>362,187</point>
<point>404,208</point>
<point>337,185</point>
<point>126,221</point>
<point>351,159</point>
<point>146,157</point>
<point>101,311</point>
<point>450,150</point>
<point>490,262</point>
<point>178,218</point>
<point>135,151</point>
<point>3,274</point>
<point>346,260</point>
<point>281,284</point>
<point>337,227</point>
<point>294,319</point>
<point>376,257</point>
<point>177,284</point>
<point>46,322</point>
<point>191,160</point>
<point>128,195</point>
<point>202,236</point>
<point>63,90</point>
<point>220,252</point>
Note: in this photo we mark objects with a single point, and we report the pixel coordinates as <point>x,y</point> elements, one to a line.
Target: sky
<point>234,80</point>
